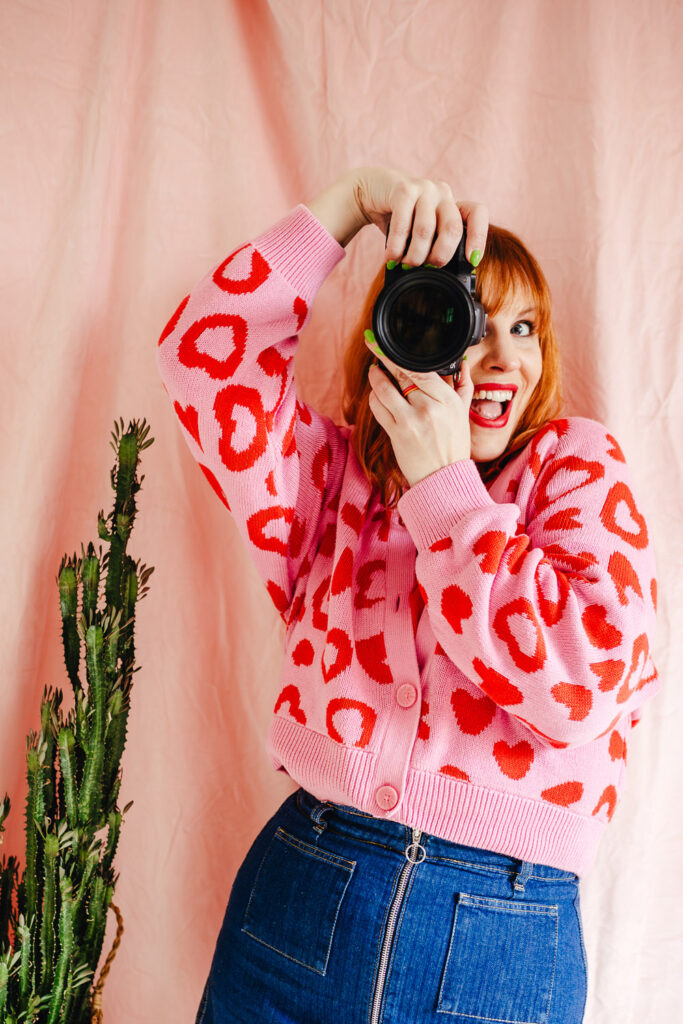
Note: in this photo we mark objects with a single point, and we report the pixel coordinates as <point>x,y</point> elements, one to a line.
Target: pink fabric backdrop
<point>142,140</point>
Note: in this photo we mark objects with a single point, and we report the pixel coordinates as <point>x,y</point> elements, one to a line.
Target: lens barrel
<point>425,318</point>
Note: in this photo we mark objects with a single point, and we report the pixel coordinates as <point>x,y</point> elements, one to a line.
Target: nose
<point>498,350</point>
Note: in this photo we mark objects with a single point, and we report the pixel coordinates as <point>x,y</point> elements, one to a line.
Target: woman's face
<point>509,353</point>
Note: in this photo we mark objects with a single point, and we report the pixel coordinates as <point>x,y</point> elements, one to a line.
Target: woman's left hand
<point>430,427</point>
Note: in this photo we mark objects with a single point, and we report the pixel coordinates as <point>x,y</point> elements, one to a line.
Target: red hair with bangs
<point>507,266</point>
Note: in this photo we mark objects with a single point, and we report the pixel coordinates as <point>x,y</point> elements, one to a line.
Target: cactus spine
<point>53,917</point>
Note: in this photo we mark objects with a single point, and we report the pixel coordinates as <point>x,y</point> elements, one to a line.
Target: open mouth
<point>490,421</point>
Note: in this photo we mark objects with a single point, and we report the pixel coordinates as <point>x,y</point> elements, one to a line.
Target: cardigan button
<point>406,695</point>
<point>386,797</point>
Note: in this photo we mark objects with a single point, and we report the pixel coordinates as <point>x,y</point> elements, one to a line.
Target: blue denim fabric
<point>335,918</point>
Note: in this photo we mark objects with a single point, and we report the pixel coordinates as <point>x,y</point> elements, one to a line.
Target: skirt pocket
<point>501,958</point>
<point>296,898</point>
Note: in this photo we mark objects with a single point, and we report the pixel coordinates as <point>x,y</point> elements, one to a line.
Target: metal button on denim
<point>386,797</point>
<point>406,695</point>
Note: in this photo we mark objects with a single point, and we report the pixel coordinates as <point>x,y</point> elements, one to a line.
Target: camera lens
<point>429,320</point>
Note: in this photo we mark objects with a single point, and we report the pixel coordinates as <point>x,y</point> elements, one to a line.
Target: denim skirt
<point>338,917</point>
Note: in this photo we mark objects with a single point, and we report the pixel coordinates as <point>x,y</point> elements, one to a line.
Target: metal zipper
<point>412,854</point>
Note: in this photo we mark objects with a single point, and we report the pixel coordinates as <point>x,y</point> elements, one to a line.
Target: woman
<point>469,607</point>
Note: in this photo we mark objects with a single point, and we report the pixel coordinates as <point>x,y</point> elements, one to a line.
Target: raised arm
<point>553,619</point>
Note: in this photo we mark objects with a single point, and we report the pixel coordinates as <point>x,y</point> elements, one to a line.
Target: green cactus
<point>53,915</point>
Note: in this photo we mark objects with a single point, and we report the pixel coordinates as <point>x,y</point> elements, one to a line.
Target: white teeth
<point>496,396</point>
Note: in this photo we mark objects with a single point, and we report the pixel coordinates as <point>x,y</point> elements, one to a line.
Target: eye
<point>523,324</point>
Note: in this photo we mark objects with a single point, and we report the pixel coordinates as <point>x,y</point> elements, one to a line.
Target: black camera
<point>425,318</point>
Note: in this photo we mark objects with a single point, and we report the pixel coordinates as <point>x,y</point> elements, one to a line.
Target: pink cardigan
<point>471,663</point>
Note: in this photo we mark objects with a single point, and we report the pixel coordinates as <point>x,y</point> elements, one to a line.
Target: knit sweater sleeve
<point>551,613</point>
<point>226,361</point>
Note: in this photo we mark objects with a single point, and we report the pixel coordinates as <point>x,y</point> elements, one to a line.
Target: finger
<point>463,384</point>
<point>403,199</point>
<point>384,399</point>
<point>448,233</point>
<point>423,230</point>
<point>430,383</point>
<point>476,218</point>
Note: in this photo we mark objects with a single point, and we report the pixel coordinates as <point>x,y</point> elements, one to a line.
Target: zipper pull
<point>415,848</point>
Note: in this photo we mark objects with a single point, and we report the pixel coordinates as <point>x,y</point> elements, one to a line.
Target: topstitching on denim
<point>511,871</point>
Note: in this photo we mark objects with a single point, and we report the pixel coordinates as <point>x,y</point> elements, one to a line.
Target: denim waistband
<point>394,835</point>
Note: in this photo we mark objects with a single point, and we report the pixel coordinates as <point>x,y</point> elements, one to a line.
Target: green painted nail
<point>372,341</point>
<point>405,266</point>
<point>391,264</point>
<point>475,257</point>
<point>431,266</point>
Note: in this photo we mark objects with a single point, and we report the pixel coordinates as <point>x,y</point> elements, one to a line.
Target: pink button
<point>386,797</point>
<point>406,695</point>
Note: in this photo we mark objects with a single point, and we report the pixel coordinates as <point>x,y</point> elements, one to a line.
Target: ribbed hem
<point>430,507</point>
<point>301,249</point>
<point>459,812</point>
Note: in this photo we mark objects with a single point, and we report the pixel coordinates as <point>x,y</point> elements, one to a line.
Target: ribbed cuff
<point>301,249</point>
<point>430,507</point>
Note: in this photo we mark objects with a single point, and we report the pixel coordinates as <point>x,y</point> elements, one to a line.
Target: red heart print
<point>639,658</point>
<point>320,467</point>
<point>300,312</point>
<point>577,698</point>
<point>364,580</point>
<point>342,577</point>
<point>564,467</point>
<point>516,550</point>
<point>353,517</point>
<point>232,397</point>
<point>564,520</point>
<point>528,662</point>
<point>615,451</point>
<point>456,605</point>
<point>617,747</point>
<point>327,540</point>
<point>372,655</point>
<point>296,538</point>
<point>599,631</point>
<point>609,797</point>
<point>292,696</point>
<point>368,718</point>
<point>441,545</point>
<point>491,545</point>
<point>303,653</point>
<point>257,523</point>
<point>304,413</point>
<point>496,686</point>
<point>319,618</point>
<point>456,773</point>
<point>341,642</point>
<point>565,794</point>
<point>223,338</point>
<point>171,325</point>
<point>245,258</point>
<point>618,493</point>
<point>473,714</point>
<point>623,575</point>
<point>214,483</point>
<point>278,596</point>
<point>514,761</point>
<point>609,673</point>
<point>551,611</point>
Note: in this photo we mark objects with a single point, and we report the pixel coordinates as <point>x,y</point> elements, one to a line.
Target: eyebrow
<point>532,309</point>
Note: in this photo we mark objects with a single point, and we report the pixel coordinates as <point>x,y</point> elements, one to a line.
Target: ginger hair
<point>507,266</point>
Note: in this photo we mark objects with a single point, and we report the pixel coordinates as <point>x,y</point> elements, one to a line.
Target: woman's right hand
<point>424,209</point>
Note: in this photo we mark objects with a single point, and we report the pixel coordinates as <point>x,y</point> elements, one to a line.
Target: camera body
<point>425,318</point>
